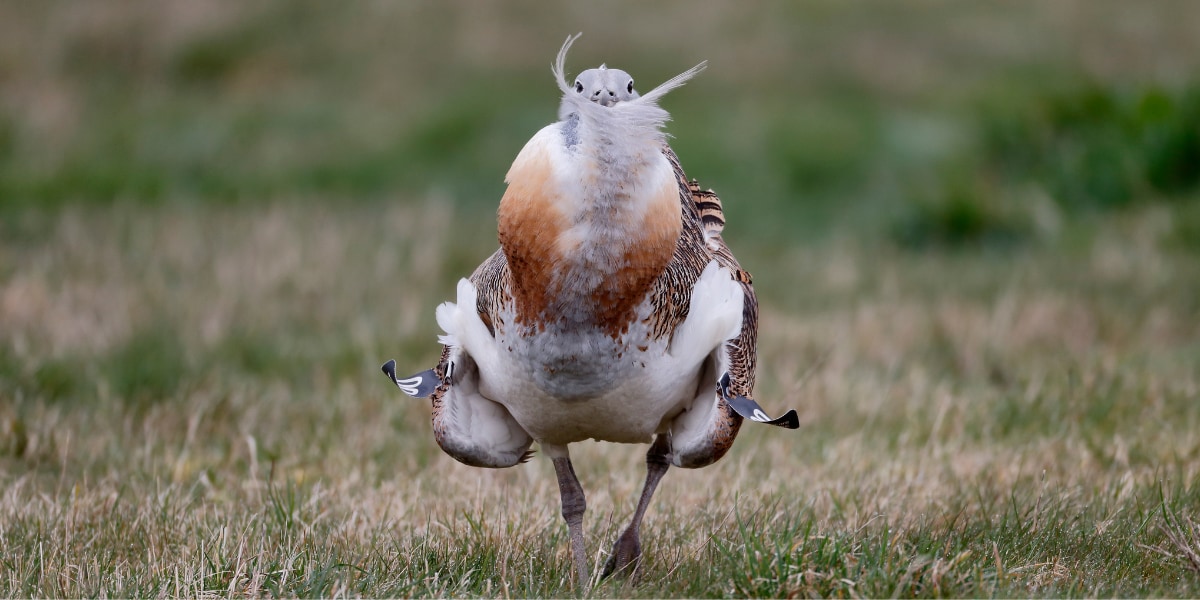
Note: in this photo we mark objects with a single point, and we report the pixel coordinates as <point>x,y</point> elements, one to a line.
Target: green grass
<point>975,251</point>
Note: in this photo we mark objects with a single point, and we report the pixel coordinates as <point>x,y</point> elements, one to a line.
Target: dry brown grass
<point>936,420</point>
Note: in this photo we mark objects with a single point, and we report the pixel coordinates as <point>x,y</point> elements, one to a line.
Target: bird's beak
<point>606,99</point>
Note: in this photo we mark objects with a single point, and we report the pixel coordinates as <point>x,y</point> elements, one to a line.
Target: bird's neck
<point>588,223</point>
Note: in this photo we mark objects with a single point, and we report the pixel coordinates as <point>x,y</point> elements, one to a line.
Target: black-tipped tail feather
<point>421,385</point>
<point>751,410</point>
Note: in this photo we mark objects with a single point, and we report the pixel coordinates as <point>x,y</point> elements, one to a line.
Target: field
<point>974,231</point>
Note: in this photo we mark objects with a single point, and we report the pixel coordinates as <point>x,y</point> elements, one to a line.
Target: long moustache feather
<point>557,67</point>
<point>677,81</point>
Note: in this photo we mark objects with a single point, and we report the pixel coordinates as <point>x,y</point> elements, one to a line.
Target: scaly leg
<point>573,506</point>
<point>627,552</point>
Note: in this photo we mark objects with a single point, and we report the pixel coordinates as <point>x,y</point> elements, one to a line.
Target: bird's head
<point>613,88</point>
<point>605,86</point>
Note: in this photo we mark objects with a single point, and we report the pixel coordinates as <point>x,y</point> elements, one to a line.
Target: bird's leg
<point>627,552</point>
<point>573,506</point>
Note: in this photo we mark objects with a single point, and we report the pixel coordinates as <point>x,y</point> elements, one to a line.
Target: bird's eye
<point>629,88</point>
<point>578,86</point>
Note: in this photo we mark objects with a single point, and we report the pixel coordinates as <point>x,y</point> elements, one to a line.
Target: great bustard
<point>613,310</point>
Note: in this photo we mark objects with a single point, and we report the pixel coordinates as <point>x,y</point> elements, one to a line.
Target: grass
<point>211,237</point>
<point>196,410</point>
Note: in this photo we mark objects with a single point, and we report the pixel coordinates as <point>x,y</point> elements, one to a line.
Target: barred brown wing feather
<point>712,214</point>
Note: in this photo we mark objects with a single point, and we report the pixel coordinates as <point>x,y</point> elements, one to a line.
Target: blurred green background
<point>927,124</point>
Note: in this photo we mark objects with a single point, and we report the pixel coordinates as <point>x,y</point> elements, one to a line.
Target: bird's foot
<point>626,556</point>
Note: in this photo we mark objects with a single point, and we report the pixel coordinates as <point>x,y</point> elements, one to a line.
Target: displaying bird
<point>612,311</point>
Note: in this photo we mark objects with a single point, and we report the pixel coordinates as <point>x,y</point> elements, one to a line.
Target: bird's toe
<point>626,556</point>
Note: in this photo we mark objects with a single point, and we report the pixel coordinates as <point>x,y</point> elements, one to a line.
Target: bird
<point>613,310</point>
